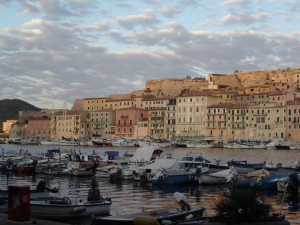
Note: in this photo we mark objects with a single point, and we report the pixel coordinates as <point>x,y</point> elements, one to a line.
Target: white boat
<point>221,177</point>
<point>71,207</point>
<point>146,172</point>
<point>120,173</point>
<point>123,142</point>
<point>167,215</point>
<point>80,168</point>
<point>30,142</point>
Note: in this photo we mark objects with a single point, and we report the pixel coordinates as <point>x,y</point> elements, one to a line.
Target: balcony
<point>124,117</point>
<point>260,114</point>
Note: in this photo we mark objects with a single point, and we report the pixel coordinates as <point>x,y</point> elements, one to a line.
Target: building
<point>127,119</point>
<point>151,103</point>
<point>157,122</point>
<point>70,124</point>
<point>93,104</point>
<point>7,126</point>
<point>171,119</point>
<point>238,121</point>
<point>216,129</point>
<point>102,123</point>
<point>191,114</point>
<point>39,129</point>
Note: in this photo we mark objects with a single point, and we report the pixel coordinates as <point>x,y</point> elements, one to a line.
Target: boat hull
<point>54,209</point>
<point>159,215</point>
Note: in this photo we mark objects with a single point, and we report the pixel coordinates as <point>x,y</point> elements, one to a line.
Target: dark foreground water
<point>128,196</point>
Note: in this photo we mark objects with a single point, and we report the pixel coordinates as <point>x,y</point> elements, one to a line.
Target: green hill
<point>9,109</point>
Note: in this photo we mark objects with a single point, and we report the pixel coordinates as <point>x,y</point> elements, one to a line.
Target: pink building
<point>126,120</point>
<point>39,128</point>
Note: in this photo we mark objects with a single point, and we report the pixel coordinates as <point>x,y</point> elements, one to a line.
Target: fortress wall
<point>173,87</point>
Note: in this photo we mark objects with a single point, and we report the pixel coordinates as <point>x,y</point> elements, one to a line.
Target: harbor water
<point>130,196</point>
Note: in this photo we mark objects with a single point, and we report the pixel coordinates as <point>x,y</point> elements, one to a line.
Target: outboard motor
<point>182,201</point>
<point>41,186</point>
<point>116,174</point>
<point>143,175</point>
<point>293,187</point>
<point>34,163</point>
<point>94,192</point>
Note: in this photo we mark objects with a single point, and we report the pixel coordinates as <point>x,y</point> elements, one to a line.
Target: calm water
<point>128,196</point>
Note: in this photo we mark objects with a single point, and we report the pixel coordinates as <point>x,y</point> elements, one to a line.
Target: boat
<point>71,207</point>
<point>181,176</point>
<point>221,177</point>
<point>144,173</point>
<point>123,142</point>
<point>80,168</point>
<point>120,173</point>
<point>30,142</point>
<point>102,142</point>
<point>245,180</point>
<point>268,182</point>
<point>27,166</point>
<point>157,216</point>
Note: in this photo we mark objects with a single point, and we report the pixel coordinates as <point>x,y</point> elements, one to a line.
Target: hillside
<point>9,109</point>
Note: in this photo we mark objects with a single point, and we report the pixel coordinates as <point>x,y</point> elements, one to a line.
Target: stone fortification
<point>173,86</point>
<point>250,78</point>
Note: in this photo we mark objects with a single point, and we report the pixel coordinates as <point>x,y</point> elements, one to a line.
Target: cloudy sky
<point>54,51</point>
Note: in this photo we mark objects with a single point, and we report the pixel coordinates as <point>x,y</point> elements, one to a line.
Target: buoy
<point>79,209</point>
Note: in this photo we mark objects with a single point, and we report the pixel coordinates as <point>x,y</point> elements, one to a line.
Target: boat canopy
<point>54,150</point>
<point>112,153</point>
<point>145,153</point>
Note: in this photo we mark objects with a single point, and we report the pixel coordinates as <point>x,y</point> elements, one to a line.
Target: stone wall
<point>250,78</point>
<point>174,87</point>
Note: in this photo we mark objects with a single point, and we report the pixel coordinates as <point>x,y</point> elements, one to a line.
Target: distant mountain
<point>9,109</point>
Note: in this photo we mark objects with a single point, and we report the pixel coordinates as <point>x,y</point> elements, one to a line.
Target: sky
<point>55,51</point>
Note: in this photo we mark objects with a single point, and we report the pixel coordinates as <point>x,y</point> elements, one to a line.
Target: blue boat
<point>268,182</point>
<point>245,180</point>
<point>180,176</point>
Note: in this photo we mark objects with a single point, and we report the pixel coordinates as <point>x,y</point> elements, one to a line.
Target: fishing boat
<point>157,216</point>
<point>268,182</point>
<point>221,177</point>
<point>68,207</point>
<point>76,168</point>
<point>244,180</point>
<point>181,176</point>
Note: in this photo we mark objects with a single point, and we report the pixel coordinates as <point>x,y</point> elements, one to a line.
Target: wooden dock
<point>5,221</point>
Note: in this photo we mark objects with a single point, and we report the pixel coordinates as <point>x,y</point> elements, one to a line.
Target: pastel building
<point>39,129</point>
<point>7,125</point>
<point>157,122</point>
<point>191,114</point>
<point>102,123</point>
<point>70,124</point>
<point>126,120</point>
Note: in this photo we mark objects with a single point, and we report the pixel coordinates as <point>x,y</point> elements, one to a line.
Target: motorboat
<point>244,180</point>
<point>221,177</point>
<point>181,176</point>
<point>71,207</point>
<point>102,142</point>
<point>80,168</point>
<point>30,142</point>
<point>158,216</point>
<point>268,182</point>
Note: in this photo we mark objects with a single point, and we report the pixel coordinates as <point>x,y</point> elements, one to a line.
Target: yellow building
<point>157,121</point>
<point>259,89</point>
<point>115,104</point>
<point>70,124</point>
<point>7,125</point>
<point>267,121</point>
<point>102,123</point>
<point>191,114</point>
<point>93,104</point>
<point>238,122</point>
<point>293,120</point>
<point>216,129</point>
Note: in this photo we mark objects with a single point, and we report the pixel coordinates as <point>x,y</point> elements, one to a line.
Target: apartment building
<point>157,122</point>
<point>191,114</point>
<point>70,124</point>
<point>102,123</point>
<point>39,129</point>
<point>93,104</point>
